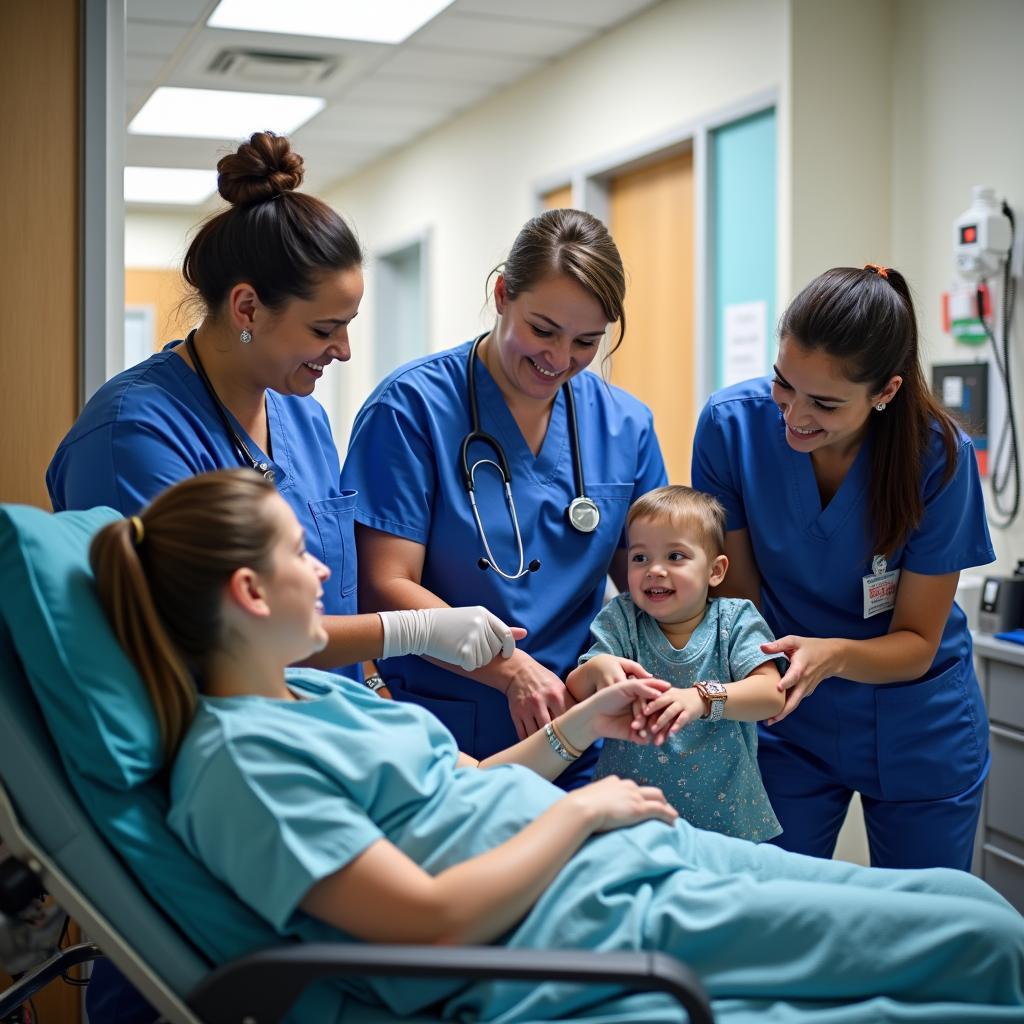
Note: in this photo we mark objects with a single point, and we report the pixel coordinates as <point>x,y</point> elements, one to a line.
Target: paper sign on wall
<point>744,337</point>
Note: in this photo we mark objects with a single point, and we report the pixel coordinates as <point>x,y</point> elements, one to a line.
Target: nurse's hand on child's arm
<point>811,659</point>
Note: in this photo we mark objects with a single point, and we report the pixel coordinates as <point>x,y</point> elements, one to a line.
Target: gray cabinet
<point>999,856</point>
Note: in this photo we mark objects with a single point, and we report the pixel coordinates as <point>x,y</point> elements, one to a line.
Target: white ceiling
<point>379,97</point>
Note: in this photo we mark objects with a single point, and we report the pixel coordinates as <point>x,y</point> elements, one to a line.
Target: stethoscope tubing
<point>500,463</point>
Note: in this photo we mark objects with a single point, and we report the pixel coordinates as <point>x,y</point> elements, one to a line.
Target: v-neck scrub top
<point>403,459</point>
<point>922,740</point>
<point>154,424</point>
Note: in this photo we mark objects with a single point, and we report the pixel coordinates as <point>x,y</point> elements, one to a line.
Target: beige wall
<point>840,91</point>
<point>956,97</point>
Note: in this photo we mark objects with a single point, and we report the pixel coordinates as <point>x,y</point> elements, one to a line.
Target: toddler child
<point>703,749</point>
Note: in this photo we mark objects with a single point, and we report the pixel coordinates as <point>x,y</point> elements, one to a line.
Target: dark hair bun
<point>262,168</point>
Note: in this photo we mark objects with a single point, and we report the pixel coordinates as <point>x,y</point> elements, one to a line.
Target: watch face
<point>715,689</point>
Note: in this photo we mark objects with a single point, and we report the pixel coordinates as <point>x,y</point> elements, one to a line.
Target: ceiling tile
<point>382,88</point>
<point>379,97</point>
<point>142,69</point>
<point>134,97</point>
<point>145,37</point>
<point>510,36</point>
<point>595,13</point>
<point>162,151</point>
<point>180,12</point>
<point>452,66</point>
<point>346,116</point>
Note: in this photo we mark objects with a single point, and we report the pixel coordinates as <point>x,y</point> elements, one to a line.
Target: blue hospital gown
<point>274,795</point>
<point>707,770</point>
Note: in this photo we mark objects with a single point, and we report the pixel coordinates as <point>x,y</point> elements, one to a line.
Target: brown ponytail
<point>865,318</point>
<point>160,577</point>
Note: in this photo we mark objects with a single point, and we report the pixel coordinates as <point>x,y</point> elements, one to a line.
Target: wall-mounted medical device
<point>987,255</point>
<point>982,236</point>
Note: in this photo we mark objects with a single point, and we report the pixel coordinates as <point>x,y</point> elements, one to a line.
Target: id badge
<point>880,588</point>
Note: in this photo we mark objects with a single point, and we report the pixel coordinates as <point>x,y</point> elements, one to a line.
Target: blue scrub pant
<point>811,802</point>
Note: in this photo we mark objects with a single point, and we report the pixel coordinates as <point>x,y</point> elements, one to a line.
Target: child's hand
<point>612,712</point>
<point>609,669</point>
<point>668,713</point>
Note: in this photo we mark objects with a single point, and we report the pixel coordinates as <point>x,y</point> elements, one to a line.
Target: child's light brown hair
<point>686,508</point>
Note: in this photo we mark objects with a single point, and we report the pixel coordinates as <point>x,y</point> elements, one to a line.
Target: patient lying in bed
<point>334,814</point>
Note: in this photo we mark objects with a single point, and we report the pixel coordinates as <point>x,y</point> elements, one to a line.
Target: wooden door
<point>559,198</point>
<point>651,220</point>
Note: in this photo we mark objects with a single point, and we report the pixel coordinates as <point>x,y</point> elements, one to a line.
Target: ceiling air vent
<point>261,67</point>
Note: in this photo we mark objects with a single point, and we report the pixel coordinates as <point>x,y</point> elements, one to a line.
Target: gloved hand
<point>467,637</point>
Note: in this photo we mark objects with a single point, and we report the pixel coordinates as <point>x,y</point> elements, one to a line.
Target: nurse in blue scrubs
<point>853,504</point>
<point>279,278</point>
<point>577,452</point>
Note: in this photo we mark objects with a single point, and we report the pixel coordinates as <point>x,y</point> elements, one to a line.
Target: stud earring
<point>878,408</point>
<point>246,336</point>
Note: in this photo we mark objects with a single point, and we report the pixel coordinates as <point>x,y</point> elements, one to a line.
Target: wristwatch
<point>375,682</point>
<point>715,695</point>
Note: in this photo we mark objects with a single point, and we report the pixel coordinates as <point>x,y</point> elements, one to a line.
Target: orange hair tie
<point>878,269</point>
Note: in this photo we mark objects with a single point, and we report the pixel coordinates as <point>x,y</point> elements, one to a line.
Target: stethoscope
<point>582,511</point>
<point>240,446</point>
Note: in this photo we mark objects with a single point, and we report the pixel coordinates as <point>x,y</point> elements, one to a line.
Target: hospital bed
<point>100,847</point>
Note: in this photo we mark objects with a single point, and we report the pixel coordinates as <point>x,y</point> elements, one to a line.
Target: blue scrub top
<point>154,424</point>
<point>403,459</point>
<point>812,562</point>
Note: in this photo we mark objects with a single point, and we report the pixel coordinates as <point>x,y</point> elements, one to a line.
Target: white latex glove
<point>467,637</point>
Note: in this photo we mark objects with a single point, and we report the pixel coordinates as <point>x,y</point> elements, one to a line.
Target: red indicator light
<point>970,235</point>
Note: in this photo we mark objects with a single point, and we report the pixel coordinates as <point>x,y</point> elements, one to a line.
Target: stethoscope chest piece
<point>584,515</point>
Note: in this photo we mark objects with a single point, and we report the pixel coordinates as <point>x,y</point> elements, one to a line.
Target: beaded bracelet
<point>557,745</point>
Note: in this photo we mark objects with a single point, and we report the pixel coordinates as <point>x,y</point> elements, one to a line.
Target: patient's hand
<point>616,803</point>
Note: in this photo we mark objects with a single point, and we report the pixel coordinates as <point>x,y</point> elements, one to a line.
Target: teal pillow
<point>94,701</point>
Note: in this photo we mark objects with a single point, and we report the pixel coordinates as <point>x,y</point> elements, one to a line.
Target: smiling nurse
<point>278,274</point>
<point>853,503</point>
<point>514,404</point>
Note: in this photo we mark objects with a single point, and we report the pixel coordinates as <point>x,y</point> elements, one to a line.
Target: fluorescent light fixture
<point>168,185</point>
<point>371,21</point>
<point>219,114</point>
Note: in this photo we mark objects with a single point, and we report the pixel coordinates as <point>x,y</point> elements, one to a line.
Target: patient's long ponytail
<point>161,574</point>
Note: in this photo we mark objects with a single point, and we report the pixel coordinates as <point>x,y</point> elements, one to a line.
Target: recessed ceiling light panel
<point>371,21</point>
<point>168,185</point>
<point>220,114</point>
